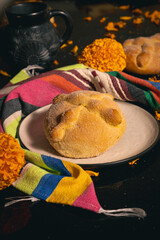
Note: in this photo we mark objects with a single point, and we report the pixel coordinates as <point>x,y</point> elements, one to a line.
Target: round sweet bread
<point>84,124</point>
<point>143,54</point>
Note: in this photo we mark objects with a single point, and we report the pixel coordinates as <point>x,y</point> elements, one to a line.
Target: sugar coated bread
<point>84,124</point>
<point>143,54</point>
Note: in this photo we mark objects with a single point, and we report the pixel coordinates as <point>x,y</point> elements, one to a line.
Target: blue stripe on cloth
<point>55,164</point>
<point>46,186</point>
<point>155,84</point>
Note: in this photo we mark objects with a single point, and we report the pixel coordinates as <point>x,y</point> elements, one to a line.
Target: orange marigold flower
<point>110,35</point>
<point>132,163</point>
<point>11,160</point>
<point>111,27</point>
<point>124,7</point>
<point>104,55</point>
<point>137,11</point>
<point>88,19</point>
<point>55,62</point>
<point>115,26</point>
<point>138,20</point>
<point>157,115</point>
<point>53,22</point>
<point>126,18</point>
<point>147,14</point>
<point>70,42</point>
<point>103,19</point>
<point>63,46</point>
<point>154,79</point>
<point>154,17</point>
<point>120,24</point>
<point>74,50</point>
<point>4,73</point>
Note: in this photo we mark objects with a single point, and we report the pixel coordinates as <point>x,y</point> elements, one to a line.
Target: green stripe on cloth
<point>22,75</point>
<point>71,67</point>
<point>37,160</point>
<point>11,128</point>
<point>32,175</point>
<point>152,101</point>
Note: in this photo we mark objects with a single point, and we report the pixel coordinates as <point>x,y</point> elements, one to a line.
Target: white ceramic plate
<point>141,133</point>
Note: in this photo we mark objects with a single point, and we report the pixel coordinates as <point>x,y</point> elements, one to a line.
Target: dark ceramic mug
<point>30,37</point>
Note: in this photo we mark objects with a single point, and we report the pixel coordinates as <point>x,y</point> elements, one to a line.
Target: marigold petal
<point>104,55</point>
<point>11,160</point>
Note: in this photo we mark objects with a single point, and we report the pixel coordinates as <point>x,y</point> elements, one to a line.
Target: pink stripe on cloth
<point>33,92</point>
<point>1,128</point>
<point>88,200</point>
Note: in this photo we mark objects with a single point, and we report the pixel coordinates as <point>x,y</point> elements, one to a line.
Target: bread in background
<point>143,54</point>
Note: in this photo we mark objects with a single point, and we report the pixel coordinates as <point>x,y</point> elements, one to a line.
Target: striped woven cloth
<point>55,180</point>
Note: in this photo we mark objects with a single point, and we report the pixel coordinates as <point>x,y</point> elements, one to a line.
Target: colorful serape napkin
<point>55,180</point>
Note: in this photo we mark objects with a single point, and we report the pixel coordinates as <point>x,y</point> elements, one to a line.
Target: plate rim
<point>107,164</point>
<point>125,160</point>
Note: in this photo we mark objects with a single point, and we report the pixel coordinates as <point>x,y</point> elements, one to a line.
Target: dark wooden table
<point>122,186</point>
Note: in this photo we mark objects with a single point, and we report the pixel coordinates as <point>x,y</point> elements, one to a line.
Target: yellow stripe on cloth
<point>30,178</point>
<point>71,67</point>
<point>22,75</point>
<point>69,188</point>
<point>35,158</point>
<point>11,128</point>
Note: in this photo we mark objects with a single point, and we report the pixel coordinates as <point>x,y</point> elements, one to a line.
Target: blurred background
<point>86,31</point>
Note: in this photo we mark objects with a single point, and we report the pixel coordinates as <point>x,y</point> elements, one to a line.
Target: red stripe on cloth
<point>116,87</point>
<point>2,95</point>
<point>77,73</point>
<point>125,89</point>
<point>142,82</point>
<point>75,80</point>
<point>61,83</point>
<point>157,98</point>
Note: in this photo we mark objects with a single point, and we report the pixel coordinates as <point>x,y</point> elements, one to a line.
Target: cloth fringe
<point>31,70</point>
<point>124,212</point>
<point>20,199</point>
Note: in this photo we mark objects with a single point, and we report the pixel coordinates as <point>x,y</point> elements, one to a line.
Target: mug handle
<point>67,20</point>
